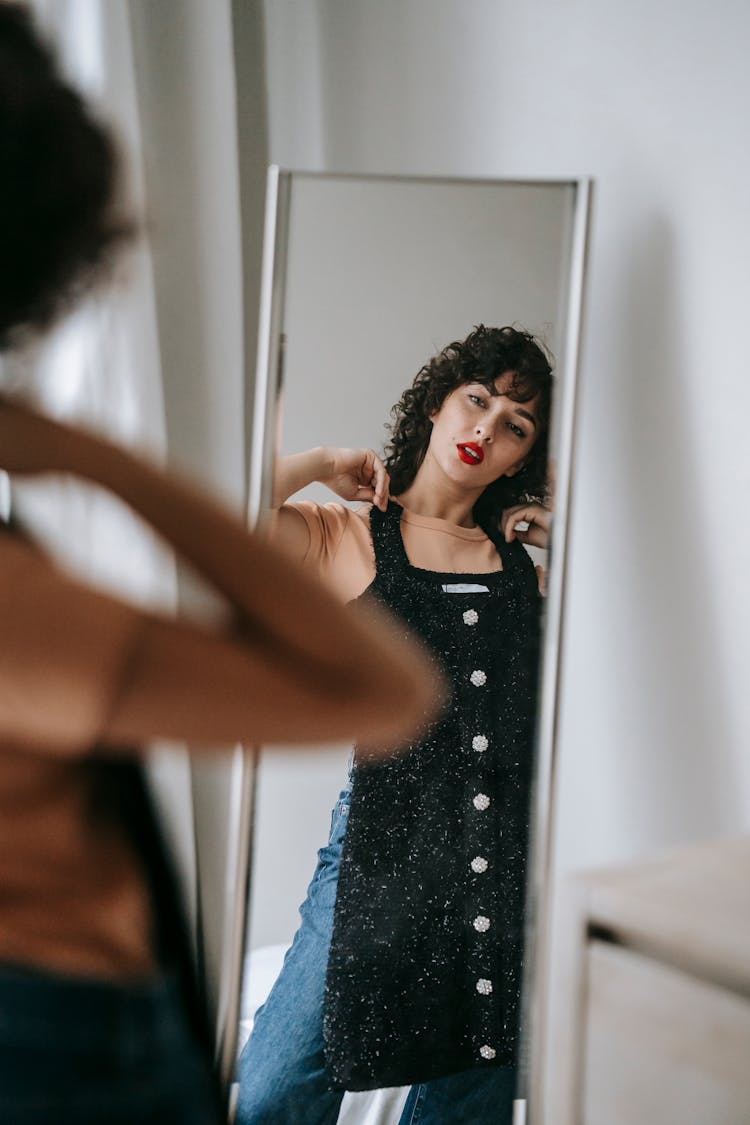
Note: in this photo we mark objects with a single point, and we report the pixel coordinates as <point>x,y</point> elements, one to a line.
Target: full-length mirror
<point>407,971</point>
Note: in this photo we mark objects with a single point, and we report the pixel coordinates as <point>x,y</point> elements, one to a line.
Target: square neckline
<point>488,578</point>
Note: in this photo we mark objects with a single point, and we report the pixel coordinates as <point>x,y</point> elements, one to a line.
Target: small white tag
<point>465,588</point>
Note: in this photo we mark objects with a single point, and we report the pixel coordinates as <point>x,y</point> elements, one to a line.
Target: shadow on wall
<point>680,767</point>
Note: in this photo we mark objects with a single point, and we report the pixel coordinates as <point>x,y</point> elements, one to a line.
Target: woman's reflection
<point>406,967</point>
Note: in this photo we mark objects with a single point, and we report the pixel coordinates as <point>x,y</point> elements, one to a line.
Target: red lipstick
<point>470,453</point>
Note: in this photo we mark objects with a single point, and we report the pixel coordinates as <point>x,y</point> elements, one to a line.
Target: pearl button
<point>478,677</point>
<point>481,924</point>
<point>480,742</point>
<point>479,864</point>
<point>471,617</point>
<point>484,986</point>
<point>487,1052</point>
<point>481,802</point>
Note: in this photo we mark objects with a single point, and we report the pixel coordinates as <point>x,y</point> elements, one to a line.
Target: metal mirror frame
<point>268,380</point>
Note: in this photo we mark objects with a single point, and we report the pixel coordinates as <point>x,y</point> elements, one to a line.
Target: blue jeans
<point>282,1073</point>
<point>86,1052</point>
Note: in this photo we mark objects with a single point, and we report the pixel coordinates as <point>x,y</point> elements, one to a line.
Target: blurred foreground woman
<point>99,1019</point>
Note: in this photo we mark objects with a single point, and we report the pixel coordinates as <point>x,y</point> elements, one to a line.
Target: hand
<point>536,516</point>
<point>357,474</point>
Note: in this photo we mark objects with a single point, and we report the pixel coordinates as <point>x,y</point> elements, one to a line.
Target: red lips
<point>470,453</point>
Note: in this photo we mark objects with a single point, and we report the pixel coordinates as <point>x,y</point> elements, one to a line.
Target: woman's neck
<point>433,495</point>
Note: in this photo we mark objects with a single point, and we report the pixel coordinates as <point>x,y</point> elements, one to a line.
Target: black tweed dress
<point>424,970</point>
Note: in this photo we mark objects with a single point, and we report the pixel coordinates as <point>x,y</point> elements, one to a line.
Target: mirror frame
<point>268,380</point>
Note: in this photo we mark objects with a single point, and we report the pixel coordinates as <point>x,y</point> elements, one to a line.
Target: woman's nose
<point>484,432</point>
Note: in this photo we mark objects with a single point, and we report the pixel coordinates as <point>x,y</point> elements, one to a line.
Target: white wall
<point>651,99</point>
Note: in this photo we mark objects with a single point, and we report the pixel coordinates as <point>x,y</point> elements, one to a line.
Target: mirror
<point>367,278</point>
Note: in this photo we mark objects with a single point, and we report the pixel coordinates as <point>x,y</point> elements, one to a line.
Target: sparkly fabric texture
<point>403,1000</point>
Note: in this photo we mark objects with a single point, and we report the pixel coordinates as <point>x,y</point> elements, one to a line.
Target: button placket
<point>475,721</point>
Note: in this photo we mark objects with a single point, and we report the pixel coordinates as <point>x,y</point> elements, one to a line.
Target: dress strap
<point>385,529</point>
<point>512,554</point>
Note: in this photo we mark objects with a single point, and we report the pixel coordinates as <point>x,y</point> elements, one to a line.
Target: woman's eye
<point>477,400</point>
<point>516,430</point>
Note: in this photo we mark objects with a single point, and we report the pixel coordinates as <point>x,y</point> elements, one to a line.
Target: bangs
<point>521,386</point>
<point>525,386</point>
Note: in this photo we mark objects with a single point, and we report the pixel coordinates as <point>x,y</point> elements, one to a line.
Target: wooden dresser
<point>655,1007</point>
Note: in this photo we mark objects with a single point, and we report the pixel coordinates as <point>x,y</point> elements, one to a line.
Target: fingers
<point>359,474</point>
<point>509,520</point>
<point>379,481</point>
<point>536,519</point>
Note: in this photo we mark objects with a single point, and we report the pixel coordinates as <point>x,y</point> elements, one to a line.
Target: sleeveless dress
<point>424,969</point>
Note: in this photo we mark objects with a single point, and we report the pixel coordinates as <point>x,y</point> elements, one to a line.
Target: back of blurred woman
<point>99,1017</point>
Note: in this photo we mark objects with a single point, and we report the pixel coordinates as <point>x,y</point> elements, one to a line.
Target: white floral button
<point>480,742</point>
<point>481,802</point>
<point>484,986</point>
<point>481,924</point>
<point>479,864</point>
<point>478,677</point>
<point>487,1052</point>
<point>470,617</point>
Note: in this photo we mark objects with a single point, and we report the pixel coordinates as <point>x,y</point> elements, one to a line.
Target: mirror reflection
<point>404,972</point>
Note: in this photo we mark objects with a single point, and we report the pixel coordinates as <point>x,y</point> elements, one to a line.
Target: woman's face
<point>478,436</point>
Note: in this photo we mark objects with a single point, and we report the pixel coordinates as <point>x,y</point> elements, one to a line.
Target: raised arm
<point>291,664</point>
<point>352,474</point>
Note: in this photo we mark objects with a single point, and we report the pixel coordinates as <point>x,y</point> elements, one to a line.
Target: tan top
<point>341,549</point>
<point>71,898</point>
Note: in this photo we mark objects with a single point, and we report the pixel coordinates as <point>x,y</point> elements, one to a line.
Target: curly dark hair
<point>482,357</point>
<point>59,174</point>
